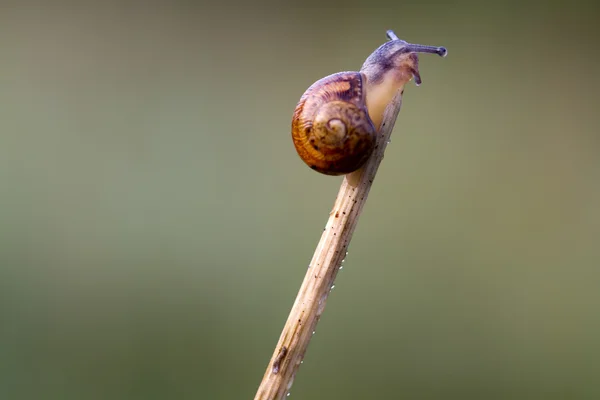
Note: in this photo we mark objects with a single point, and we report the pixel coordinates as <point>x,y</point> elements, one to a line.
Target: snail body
<point>335,123</point>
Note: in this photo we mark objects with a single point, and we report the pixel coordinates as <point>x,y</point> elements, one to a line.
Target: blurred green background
<point>156,222</point>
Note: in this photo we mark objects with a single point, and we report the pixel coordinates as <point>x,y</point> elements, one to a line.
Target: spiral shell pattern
<point>331,128</point>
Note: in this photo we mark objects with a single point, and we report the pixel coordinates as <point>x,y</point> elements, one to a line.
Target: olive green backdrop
<point>156,222</point>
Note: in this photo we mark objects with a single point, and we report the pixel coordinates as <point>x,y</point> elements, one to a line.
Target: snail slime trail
<point>337,118</point>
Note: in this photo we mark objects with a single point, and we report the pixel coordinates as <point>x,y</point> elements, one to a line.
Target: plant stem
<point>323,269</point>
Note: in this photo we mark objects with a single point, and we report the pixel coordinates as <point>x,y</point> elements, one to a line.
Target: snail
<point>335,123</point>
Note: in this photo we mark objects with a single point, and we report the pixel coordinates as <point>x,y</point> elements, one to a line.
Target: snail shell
<point>331,127</point>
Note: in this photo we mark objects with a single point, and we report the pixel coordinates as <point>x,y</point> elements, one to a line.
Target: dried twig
<point>324,266</point>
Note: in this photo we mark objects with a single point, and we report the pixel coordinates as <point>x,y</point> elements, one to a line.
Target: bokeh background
<point>156,222</point>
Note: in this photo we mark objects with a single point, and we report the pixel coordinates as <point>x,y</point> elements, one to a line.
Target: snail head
<point>399,58</point>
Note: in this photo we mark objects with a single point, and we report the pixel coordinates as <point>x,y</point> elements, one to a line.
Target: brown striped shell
<point>331,128</point>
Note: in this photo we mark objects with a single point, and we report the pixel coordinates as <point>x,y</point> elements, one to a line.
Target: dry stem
<point>324,267</point>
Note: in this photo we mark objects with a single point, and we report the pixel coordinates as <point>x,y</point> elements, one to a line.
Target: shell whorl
<point>331,128</point>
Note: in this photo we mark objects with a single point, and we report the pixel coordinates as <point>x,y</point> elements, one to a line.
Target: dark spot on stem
<point>280,357</point>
